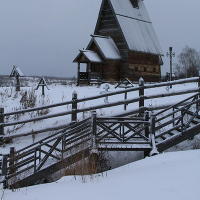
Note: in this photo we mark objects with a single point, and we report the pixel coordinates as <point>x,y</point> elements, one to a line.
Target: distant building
<point>124,44</point>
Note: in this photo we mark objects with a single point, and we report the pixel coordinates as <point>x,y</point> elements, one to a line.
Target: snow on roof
<point>91,56</point>
<point>19,71</point>
<point>136,27</point>
<point>107,47</point>
<point>125,8</point>
<point>140,36</point>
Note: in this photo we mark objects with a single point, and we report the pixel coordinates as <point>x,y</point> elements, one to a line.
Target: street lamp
<point>171,55</point>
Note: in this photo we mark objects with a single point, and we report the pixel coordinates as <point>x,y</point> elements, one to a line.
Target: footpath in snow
<point>169,176</point>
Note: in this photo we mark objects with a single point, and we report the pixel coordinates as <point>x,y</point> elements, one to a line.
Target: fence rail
<point>74,104</point>
<point>148,133</point>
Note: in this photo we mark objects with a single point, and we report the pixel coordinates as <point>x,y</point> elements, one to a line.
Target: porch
<point>93,67</point>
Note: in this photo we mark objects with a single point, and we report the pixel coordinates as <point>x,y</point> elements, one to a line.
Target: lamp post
<point>170,54</point>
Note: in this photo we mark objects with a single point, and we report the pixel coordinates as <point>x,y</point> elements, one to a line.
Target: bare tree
<point>188,63</point>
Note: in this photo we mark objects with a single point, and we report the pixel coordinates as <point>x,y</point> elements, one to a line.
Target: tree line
<point>188,63</point>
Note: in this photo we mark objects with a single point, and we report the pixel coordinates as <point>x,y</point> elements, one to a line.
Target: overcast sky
<point>42,37</point>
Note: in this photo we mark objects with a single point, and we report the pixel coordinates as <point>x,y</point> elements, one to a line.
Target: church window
<point>135,3</point>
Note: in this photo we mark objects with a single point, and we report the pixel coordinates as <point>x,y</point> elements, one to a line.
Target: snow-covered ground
<point>168,176</point>
<point>10,100</point>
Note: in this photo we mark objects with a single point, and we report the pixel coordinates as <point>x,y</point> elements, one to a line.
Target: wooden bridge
<point>151,132</point>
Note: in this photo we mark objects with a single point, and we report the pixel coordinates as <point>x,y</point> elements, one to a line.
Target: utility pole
<point>171,54</point>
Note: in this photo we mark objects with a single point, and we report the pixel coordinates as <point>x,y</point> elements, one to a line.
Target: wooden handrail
<point>177,110</point>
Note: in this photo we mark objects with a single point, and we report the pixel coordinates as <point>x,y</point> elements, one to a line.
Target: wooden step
<point>124,147</point>
<point>176,132</point>
<point>196,120</point>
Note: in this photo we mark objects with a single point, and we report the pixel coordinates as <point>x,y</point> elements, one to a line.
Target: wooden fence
<point>75,101</point>
<point>79,140</point>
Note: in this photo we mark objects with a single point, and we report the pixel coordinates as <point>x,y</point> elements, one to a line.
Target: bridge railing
<point>75,101</point>
<point>173,118</point>
<point>121,130</point>
<point>31,159</point>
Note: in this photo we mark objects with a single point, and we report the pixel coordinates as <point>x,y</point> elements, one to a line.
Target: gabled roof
<point>125,8</point>
<point>91,56</point>
<point>42,82</point>
<point>106,46</point>
<point>135,26</point>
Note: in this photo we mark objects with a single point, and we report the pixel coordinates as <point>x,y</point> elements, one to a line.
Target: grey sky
<point>43,36</point>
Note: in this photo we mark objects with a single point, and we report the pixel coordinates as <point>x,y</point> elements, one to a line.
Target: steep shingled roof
<point>90,55</point>
<point>106,46</point>
<point>136,26</point>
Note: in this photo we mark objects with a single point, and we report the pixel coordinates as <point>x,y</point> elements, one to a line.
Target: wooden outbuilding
<point>124,45</point>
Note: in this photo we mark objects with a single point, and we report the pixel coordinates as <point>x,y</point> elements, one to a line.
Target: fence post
<point>74,106</point>
<point>1,121</point>
<point>146,118</point>
<point>17,84</point>
<point>198,97</point>
<point>94,131</point>
<point>5,170</point>
<point>154,150</point>
<point>147,132</point>
<point>43,93</point>
<point>141,96</point>
<point>199,81</point>
<point>35,160</point>
<point>94,154</point>
<point>125,98</point>
<point>12,160</point>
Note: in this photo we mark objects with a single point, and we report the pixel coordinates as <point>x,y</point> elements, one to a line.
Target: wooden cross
<point>42,84</point>
<point>125,83</point>
<point>17,73</point>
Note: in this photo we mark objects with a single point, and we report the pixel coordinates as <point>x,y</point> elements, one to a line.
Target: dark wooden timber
<point>1,121</point>
<point>141,95</point>
<point>74,107</point>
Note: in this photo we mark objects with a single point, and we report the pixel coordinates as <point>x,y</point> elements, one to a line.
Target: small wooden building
<point>124,45</point>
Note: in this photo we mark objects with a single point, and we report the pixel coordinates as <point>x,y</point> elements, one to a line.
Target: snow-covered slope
<point>169,176</point>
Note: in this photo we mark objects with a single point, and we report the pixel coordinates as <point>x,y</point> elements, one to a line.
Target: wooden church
<point>124,45</point>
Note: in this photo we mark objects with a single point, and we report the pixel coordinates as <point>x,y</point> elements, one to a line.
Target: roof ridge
<point>134,18</point>
<point>100,36</point>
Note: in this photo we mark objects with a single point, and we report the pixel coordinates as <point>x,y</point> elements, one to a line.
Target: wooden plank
<point>109,132</point>
<point>20,172</point>
<point>174,140</point>
<point>1,121</point>
<point>168,122</point>
<point>30,180</point>
<point>78,138</point>
<point>168,131</point>
<point>176,105</point>
<point>36,132</point>
<point>24,162</point>
<point>48,154</point>
<point>123,122</point>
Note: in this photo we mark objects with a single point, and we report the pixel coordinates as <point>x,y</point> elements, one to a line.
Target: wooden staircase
<point>80,140</point>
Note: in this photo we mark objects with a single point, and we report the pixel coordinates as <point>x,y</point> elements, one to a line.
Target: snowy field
<point>12,101</point>
<point>168,176</point>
